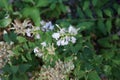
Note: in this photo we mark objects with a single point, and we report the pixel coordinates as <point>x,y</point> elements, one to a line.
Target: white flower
<point>56,36</point>
<point>51,27</point>
<point>36,50</point>
<point>42,22</point>
<point>72,30</point>
<point>37,36</point>
<point>64,42</point>
<point>4,32</point>
<point>67,38</point>
<point>62,31</point>
<point>64,36</point>
<point>48,26</point>
<point>11,42</point>
<point>59,42</point>
<point>28,32</point>
<point>73,39</point>
<point>39,54</point>
<point>44,44</point>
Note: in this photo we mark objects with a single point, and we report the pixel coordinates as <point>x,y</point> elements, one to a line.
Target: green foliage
<point>32,13</point>
<point>5,22</point>
<point>93,76</point>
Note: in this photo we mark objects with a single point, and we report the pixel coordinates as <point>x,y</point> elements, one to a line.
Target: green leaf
<point>33,13</point>
<point>5,22</point>
<point>79,11</point>
<point>116,61</point>
<point>115,37</point>
<point>109,26</point>
<point>118,11</point>
<point>4,4</point>
<point>86,5</point>
<point>93,76</point>
<point>24,67</point>
<point>104,42</point>
<point>25,46</point>
<point>108,12</point>
<point>88,12</point>
<point>28,56</point>
<point>101,27</point>
<point>52,6</point>
<point>107,55</point>
<point>94,2</point>
<point>6,68</point>
<point>31,1</point>
<point>13,36</point>
<point>63,8</point>
<point>14,69</point>
<point>6,37</point>
<point>21,39</point>
<point>23,58</point>
<point>42,3</point>
<point>99,13</point>
<point>14,77</point>
<point>85,25</point>
<point>117,22</point>
<point>107,69</point>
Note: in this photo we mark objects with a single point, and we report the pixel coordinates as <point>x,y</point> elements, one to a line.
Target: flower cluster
<point>5,52</point>
<point>26,28</point>
<point>58,72</point>
<point>38,52</point>
<point>49,48</point>
<point>23,28</point>
<point>46,26</point>
<point>64,36</point>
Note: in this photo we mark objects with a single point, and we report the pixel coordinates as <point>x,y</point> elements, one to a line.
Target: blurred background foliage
<point>98,50</point>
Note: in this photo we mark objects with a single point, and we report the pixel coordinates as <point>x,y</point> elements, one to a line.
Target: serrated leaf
<point>93,76</point>
<point>13,36</point>
<point>117,22</point>
<point>86,5</point>
<point>33,13</point>
<point>6,37</point>
<point>52,6</point>
<point>94,2</point>
<point>79,11</point>
<point>24,59</point>
<point>101,27</point>
<point>5,22</point>
<point>107,55</point>
<point>28,56</point>
<point>88,12</point>
<point>21,39</point>
<point>116,61</point>
<point>108,12</point>
<point>115,37</point>
<point>109,26</point>
<point>85,25</point>
<point>4,3</point>
<point>14,69</point>
<point>104,42</point>
<point>99,13</point>
<point>31,1</point>
<point>42,3</point>
<point>24,67</point>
